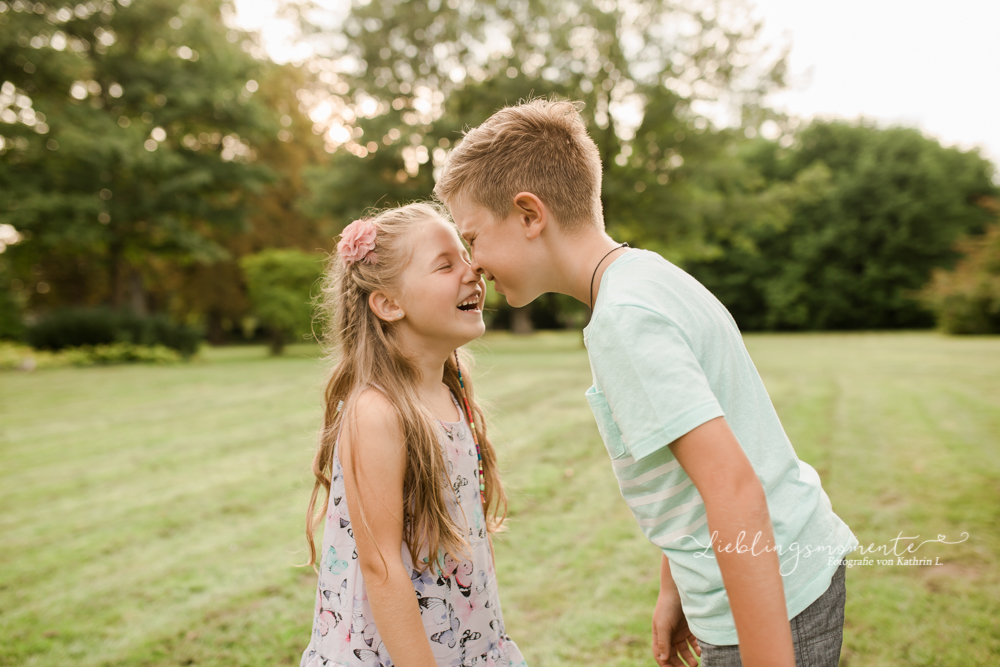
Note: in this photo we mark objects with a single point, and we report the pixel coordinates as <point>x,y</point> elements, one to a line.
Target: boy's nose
<point>480,271</point>
<point>476,272</point>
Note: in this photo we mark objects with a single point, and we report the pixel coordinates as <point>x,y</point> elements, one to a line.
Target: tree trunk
<point>137,294</point>
<point>116,273</point>
<point>520,321</point>
<point>216,333</point>
<point>277,344</point>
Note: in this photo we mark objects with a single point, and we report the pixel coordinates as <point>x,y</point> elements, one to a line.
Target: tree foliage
<point>131,134</point>
<point>868,214</point>
<point>400,80</point>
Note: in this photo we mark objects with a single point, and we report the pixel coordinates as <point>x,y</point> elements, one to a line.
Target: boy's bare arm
<point>735,504</point>
<point>376,483</point>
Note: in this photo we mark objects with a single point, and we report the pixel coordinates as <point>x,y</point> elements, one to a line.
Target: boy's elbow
<point>738,488</point>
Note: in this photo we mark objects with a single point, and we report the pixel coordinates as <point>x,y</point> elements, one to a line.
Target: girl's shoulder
<point>373,420</point>
<point>371,409</point>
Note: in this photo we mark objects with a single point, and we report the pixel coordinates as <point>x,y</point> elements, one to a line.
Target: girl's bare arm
<point>375,483</point>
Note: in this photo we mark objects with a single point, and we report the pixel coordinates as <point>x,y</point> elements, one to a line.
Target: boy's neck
<point>575,258</point>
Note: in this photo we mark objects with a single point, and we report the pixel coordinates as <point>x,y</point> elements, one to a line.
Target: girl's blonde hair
<point>367,354</point>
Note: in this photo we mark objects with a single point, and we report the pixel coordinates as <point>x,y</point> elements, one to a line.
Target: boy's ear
<point>532,214</point>
<point>384,307</point>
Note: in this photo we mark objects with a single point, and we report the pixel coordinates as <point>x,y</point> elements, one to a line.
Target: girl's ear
<point>384,307</point>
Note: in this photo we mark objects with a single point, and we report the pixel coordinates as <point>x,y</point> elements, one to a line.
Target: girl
<point>412,487</point>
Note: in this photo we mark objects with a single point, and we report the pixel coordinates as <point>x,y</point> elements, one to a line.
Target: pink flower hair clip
<point>357,243</point>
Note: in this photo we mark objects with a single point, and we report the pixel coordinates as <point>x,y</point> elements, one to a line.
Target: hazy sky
<point>929,64</point>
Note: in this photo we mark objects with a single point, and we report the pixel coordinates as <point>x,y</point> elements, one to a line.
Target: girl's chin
<point>468,328</point>
<point>474,331</point>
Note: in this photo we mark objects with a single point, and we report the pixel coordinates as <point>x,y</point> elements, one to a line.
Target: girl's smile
<point>473,303</point>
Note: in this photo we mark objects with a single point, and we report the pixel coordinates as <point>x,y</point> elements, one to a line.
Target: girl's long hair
<point>365,352</point>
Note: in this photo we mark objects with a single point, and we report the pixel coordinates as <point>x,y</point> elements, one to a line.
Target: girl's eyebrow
<point>444,255</point>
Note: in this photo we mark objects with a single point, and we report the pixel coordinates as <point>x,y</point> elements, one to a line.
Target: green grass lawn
<point>153,515</point>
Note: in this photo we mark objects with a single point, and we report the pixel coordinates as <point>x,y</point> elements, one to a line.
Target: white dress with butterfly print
<point>459,606</point>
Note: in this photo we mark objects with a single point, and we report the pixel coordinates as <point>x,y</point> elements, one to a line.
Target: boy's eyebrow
<point>466,235</point>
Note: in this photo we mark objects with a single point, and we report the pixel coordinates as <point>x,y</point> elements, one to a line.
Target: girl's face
<point>441,295</point>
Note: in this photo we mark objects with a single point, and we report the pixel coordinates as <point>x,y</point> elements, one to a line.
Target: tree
<point>871,212</point>
<point>397,81</point>
<point>134,147</point>
<point>215,292</point>
<point>279,283</point>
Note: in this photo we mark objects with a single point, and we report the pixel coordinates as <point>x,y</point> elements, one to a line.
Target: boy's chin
<point>518,300</point>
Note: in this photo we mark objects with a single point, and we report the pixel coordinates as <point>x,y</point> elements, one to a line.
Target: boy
<point>698,450</point>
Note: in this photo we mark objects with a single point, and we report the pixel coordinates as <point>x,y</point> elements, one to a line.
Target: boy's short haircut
<point>541,147</point>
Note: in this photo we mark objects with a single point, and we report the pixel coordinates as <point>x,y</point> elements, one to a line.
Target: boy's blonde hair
<point>541,147</point>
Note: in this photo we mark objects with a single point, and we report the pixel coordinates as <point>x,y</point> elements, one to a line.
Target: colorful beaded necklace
<point>472,427</point>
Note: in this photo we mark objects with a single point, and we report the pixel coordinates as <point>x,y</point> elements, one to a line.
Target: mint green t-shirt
<point>667,357</point>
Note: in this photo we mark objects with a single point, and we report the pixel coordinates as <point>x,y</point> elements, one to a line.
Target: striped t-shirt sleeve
<point>651,378</point>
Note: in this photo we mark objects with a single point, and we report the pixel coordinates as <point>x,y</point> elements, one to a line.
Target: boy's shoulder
<point>644,280</point>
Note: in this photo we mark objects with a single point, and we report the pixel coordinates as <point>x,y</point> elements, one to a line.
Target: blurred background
<point>153,154</point>
<point>173,173</point>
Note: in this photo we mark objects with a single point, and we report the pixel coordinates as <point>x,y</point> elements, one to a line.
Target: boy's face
<point>499,251</point>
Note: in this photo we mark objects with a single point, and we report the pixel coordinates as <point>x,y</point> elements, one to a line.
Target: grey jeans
<point>817,632</point>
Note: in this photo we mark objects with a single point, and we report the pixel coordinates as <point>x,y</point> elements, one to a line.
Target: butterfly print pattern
<point>458,601</point>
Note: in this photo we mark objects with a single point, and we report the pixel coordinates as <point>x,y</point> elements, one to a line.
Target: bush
<point>120,353</point>
<point>21,357</point>
<point>76,327</point>
<point>966,300</point>
<point>279,284</point>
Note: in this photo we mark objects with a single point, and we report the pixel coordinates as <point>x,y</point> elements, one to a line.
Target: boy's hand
<point>672,640</point>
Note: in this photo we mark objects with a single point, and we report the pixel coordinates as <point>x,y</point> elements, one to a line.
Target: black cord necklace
<point>594,275</point>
